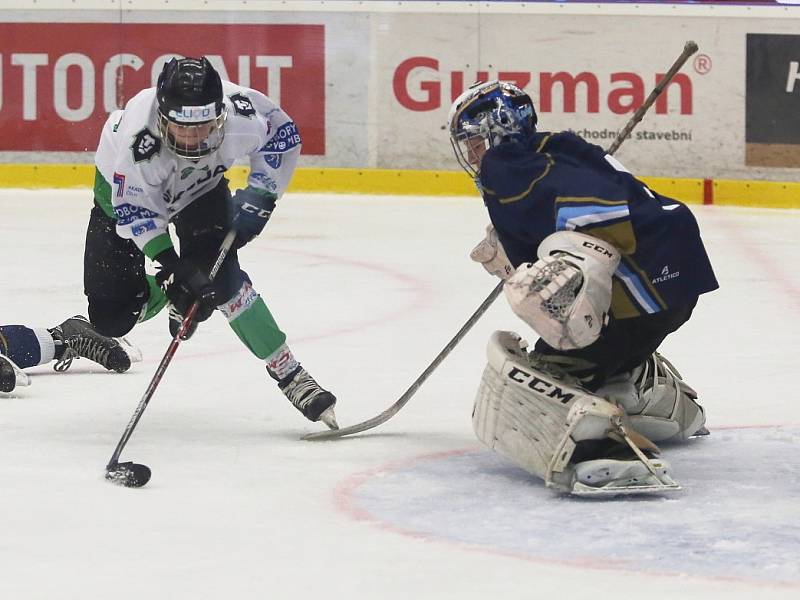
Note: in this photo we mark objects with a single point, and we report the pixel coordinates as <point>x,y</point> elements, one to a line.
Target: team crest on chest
<point>242,105</point>
<point>145,145</point>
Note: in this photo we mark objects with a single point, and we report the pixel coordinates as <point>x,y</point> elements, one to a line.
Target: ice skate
<point>611,477</point>
<point>309,398</point>
<point>80,340</point>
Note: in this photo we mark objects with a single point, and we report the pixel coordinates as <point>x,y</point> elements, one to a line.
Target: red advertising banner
<point>58,82</point>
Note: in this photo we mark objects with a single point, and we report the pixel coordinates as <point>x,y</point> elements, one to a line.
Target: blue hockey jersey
<point>558,181</point>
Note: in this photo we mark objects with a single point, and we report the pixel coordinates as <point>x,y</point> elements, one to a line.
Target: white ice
<point>369,290</point>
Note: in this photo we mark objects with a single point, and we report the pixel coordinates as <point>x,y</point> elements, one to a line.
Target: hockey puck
<point>128,474</point>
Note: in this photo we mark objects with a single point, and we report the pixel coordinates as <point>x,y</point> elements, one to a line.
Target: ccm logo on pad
<point>598,248</point>
<point>539,385</point>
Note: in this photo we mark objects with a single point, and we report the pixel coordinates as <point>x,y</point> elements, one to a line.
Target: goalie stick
<point>688,49</point>
<point>130,474</point>
<point>394,408</point>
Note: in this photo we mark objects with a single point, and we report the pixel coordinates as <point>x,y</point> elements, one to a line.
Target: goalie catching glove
<point>566,294</point>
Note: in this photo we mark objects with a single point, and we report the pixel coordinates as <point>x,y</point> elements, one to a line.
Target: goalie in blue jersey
<point>602,268</point>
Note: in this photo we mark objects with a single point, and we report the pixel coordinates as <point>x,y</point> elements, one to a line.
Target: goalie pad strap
<point>659,404</point>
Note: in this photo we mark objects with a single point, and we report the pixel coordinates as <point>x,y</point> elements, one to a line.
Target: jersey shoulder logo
<point>145,146</point>
<point>242,105</point>
<point>285,138</point>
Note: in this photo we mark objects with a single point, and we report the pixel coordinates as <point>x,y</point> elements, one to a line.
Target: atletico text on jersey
<point>142,185</point>
<point>558,181</point>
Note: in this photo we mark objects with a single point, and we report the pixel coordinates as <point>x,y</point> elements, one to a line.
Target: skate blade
<point>587,491</point>
<point>329,418</point>
<point>22,379</point>
<point>133,352</point>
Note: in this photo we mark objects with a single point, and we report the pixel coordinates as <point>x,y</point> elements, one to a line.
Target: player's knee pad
<point>532,418</point>
<point>659,404</point>
<point>114,319</point>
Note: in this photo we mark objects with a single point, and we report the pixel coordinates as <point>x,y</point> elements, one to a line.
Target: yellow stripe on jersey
<point>510,199</point>
<point>544,141</point>
<point>645,280</point>
<point>620,235</point>
<point>621,305</point>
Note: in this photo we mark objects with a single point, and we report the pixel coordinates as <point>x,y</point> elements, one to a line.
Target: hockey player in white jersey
<point>162,160</point>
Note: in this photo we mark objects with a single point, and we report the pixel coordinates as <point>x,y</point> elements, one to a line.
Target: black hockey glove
<point>184,284</point>
<point>251,209</point>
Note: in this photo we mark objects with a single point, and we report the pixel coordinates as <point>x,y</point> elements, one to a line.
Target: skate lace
<point>85,347</point>
<point>303,390</point>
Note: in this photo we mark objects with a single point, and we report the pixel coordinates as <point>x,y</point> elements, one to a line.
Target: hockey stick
<point>130,474</point>
<point>689,48</point>
<point>394,408</point>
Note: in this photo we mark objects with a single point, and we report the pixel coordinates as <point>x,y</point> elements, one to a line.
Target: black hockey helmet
<point>189,94</point>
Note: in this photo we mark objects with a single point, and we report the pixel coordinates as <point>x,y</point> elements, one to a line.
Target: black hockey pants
<point>114,268</point>
<point>623,345</point>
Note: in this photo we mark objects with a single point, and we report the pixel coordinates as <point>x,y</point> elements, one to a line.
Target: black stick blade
<point>128,474</point>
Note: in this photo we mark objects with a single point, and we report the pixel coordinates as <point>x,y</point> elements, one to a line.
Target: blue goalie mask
<point>486,115</point>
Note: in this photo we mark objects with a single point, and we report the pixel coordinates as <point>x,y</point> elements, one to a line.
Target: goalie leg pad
<point>536,421</point>
<point>659,404</point>
<point>532,418</point>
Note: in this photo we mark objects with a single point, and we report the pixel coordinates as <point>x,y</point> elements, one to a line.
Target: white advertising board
<point>370,83</point>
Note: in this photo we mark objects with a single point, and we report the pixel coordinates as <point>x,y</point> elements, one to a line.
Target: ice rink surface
<point>369,291</point>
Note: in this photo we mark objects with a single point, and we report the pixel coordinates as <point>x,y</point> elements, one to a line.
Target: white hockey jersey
<point>149,184</point>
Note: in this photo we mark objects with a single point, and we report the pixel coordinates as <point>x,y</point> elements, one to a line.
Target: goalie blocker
<point>544,425</point>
